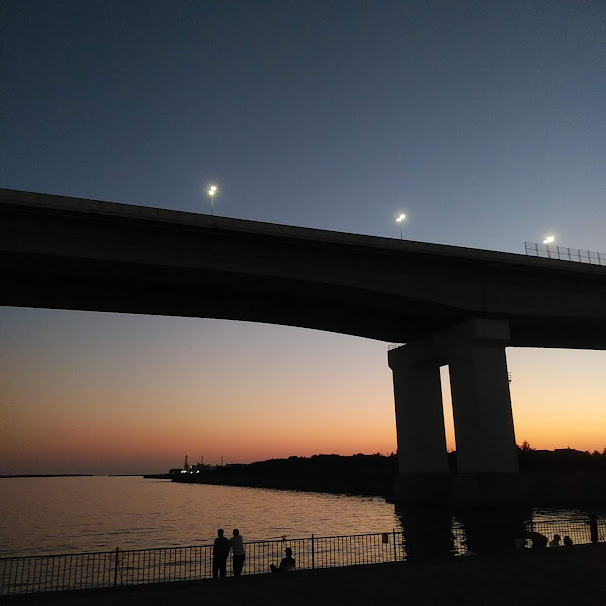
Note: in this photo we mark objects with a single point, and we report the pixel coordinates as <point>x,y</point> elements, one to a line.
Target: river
<point>99,513</point>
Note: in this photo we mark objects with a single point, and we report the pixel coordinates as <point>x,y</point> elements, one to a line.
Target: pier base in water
<point>471,489</point>
<point>422,488</point>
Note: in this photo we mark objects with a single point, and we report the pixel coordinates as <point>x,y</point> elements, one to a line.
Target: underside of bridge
<point>60,282</point>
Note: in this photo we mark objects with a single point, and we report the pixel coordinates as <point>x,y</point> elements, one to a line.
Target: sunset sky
<point>482,121</point>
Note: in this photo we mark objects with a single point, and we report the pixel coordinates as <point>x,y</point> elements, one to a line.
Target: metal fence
<point>579,532</point>
<point>562,253</point>
<point>35,574</point>
<point>45,573</point>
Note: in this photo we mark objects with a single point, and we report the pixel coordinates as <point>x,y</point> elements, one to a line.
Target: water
<point>64,515</point>
<point>83,514</point>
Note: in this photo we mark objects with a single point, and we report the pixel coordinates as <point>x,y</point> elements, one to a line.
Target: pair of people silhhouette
<point>221,550</point>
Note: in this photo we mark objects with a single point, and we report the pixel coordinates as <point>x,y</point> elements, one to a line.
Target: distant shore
<point>48,475</point>
<point>560,478</point>
<point>79,475</point>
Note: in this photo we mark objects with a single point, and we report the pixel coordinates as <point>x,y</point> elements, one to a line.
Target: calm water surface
<point>79,514</point>
<point>63,515</point>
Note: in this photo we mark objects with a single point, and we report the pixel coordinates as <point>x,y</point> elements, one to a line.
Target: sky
<point>482,120</point>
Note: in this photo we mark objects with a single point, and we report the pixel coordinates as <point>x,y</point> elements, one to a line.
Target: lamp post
<point>211,192</point>
<point>548,240</point>
<point>400,220</point>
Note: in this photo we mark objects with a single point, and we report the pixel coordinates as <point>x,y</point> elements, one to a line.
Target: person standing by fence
<point>593,528</point>
<point>239,555</point>
<point>220,553</point>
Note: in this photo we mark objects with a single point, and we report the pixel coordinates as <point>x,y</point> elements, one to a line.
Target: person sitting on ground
<point>555,542</point>
<point>539,541</point>
<point>287,564</point>
<point>567,541</point>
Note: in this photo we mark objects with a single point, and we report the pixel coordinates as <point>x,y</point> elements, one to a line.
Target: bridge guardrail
<point>562,253</point>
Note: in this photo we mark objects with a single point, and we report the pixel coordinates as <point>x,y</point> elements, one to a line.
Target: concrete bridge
<point>450,305</point>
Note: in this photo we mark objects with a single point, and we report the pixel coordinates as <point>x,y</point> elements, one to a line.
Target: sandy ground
<point>564,576</point>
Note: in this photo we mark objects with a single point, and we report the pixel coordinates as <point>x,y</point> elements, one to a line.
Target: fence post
<point>395,552</point>
<point>116,568</point>
<point>313,555</point>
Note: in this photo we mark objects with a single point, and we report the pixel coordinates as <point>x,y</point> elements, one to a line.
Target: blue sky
<point>482,121</point>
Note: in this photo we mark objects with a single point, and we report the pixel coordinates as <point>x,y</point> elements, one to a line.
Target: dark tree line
<point>529,459</point>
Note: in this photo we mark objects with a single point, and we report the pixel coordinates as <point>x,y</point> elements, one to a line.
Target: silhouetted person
<point>237,545</point>
<point>555,542</point>
<point>593,527</point>
<point>539,541</point>
<point>567,541</point>
<point>220,553</point>
<point>519,544</point>
<point>287,564</point>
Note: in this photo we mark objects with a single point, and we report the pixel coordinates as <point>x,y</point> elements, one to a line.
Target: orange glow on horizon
<point>165,394</point>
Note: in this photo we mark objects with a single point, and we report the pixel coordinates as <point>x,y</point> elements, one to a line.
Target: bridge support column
<point>422,460</point>
<point>487,460</point>
<point>480,399</point>
<point>486,451</point>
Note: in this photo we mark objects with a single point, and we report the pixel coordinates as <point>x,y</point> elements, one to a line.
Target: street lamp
<point>548,240</point>
<point>400,220</point>
<point>211,192</point>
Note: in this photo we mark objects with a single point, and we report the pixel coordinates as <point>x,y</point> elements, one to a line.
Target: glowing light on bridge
<point>400,220</point>
<point>211,192</point>
<point>549,240</point>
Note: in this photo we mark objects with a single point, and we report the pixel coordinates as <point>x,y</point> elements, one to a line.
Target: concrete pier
<point>486,450</point>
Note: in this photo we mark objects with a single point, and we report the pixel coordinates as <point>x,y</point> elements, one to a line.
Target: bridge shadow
<point>441,532</point>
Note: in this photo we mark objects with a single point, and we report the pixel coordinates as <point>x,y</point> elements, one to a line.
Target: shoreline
<point>49,475</point>
<point>566,488</point>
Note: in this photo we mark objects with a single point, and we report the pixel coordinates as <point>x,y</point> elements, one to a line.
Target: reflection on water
<point>63,515</point>
<point>435,532</point>
<point>428,532</point>
<point>67,515</point>
<point>493,529</point>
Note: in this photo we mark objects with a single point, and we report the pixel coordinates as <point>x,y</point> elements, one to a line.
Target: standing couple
<point>221,551</point>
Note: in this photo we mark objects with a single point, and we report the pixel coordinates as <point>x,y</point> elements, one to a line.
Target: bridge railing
<point>64,572</point>
<point>562,253</point>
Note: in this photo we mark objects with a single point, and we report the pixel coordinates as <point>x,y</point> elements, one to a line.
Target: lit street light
<point>400,220</point>
<point>211,192</point>
<point>548,240</point>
